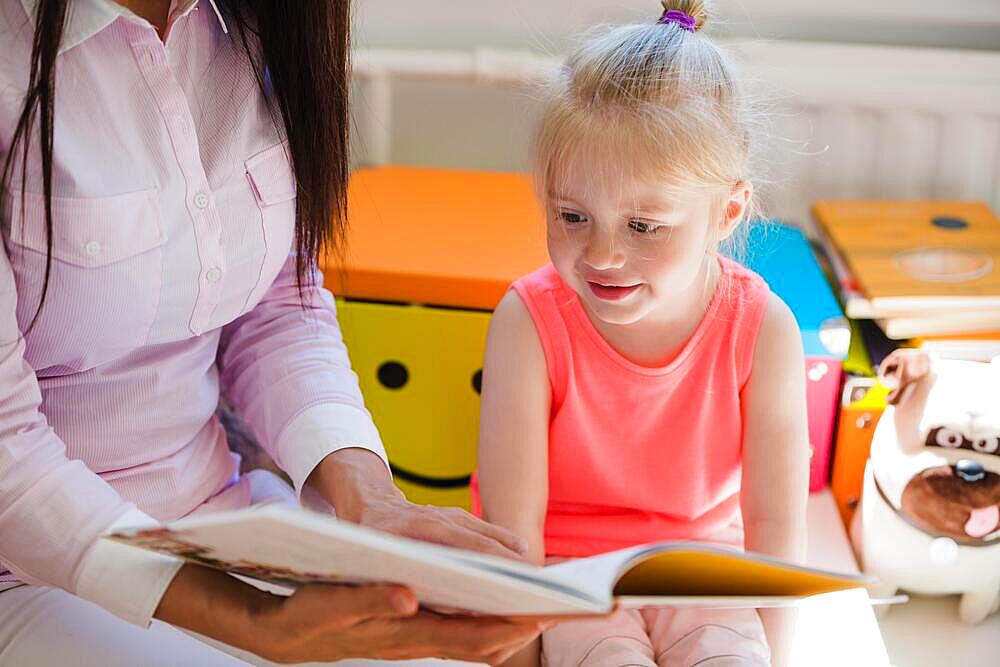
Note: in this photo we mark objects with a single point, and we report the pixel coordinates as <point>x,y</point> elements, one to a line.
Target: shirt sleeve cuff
<point>321,430</point>
<point>126,581</point>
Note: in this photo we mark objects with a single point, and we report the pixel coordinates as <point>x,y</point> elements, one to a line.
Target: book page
<point>596,575</point>
<point>293,548</point>
<point>709,601</point>
<point>693,574</point>
<point>689,569</point>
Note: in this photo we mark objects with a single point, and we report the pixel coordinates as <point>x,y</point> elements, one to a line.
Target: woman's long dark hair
<point>299,53</point>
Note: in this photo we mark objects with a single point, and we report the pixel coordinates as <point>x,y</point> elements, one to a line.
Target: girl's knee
<point>731,661</point>
<point>715,645</point>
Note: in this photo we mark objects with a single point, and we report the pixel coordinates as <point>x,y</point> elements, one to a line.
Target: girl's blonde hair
<point>659,97</point>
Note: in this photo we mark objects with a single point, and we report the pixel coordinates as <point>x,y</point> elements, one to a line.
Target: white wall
<point>546,25</point>
<point>851,120</point>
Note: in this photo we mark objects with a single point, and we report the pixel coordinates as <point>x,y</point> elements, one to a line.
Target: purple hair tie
<point>685,21</point>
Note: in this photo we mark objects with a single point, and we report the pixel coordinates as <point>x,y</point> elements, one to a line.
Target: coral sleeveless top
<point>639,454</point>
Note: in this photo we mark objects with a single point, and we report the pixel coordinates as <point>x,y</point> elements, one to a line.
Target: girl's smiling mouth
<point>611,292</point>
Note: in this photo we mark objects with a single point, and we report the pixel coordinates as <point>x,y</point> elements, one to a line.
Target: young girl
<point>643,387</point>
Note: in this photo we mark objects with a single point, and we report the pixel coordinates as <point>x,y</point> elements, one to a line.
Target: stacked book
<point>918,273</point>
<point>909,273</point>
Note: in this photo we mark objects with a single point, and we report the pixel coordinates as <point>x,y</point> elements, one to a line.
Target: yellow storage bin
<point>420,370</point>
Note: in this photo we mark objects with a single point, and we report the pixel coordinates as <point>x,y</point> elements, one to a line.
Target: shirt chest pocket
<point>105,280</point>
<point>272,183</point>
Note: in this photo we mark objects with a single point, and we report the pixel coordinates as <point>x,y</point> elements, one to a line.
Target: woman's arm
<point>513,433</point>
<point>776,456</point>
<point>285,368</point>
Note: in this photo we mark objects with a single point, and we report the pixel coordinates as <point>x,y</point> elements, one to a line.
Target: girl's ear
<point>736,207</point>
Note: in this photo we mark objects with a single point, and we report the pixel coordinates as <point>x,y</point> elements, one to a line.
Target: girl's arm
<point>513,434</point>
<point>776,457</point>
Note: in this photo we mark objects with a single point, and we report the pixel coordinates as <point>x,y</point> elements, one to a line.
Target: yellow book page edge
<point>711,573</point>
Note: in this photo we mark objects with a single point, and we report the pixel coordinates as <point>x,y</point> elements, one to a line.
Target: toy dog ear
<point>901,370</point>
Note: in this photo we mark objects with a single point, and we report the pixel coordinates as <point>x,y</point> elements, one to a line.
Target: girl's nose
<point>603,252</point>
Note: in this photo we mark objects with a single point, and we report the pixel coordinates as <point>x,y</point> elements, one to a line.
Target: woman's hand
<point>443,525</point>
<point>322,623</point>
<point>358,485</point>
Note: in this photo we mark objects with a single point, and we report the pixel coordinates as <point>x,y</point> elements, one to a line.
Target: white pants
<point>42,626</point>
<point>48,627</point>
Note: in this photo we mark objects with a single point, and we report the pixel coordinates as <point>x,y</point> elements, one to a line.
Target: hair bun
<point>696,9</point>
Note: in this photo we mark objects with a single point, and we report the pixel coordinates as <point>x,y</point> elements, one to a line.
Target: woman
<point>159,251</point>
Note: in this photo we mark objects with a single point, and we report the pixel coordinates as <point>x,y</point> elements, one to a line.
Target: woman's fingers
<point>444,525</point>
<point>453,534</point>
<point>456,527</point>
<point>327,623</point>
<point>351,605</point>
<point>508,539</point>
<point>464,638</point>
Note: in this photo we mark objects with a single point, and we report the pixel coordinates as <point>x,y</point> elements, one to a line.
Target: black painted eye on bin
<point>393,375</point>
<point>943,222</point>
<point>477,381</point>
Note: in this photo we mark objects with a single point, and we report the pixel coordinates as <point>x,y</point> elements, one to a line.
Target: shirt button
<point>213,275</point>
<point>201,200</point>
<point>92,248</point>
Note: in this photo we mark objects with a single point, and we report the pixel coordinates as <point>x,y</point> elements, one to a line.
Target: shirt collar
<point>86,18</point>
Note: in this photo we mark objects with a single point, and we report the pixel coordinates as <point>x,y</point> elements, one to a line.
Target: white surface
<point>926,632</point>
<point>837,630</point>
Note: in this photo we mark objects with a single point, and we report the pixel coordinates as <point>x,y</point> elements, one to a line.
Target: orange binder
<point>862,404</point>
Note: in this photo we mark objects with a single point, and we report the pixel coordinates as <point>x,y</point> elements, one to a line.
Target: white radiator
<point>848,121</point>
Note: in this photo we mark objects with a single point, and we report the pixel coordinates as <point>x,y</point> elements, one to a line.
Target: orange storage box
<point>404,243</point>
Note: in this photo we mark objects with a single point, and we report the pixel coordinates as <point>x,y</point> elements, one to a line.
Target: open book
<point>292,547</point>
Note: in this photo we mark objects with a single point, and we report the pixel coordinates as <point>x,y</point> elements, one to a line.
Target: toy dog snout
<point>961,501</point>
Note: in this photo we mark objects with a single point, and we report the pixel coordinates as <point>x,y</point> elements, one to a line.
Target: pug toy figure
<point>929,520</point>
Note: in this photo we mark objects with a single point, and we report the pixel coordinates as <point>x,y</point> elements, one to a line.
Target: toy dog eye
<point>948,438</point>
<point>987,445</point>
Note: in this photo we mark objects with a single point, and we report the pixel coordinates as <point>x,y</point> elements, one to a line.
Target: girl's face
<point>632,247</point>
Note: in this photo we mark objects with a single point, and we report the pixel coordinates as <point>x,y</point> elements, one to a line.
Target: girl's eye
<point>641,227</point>
<point>571,218</point>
